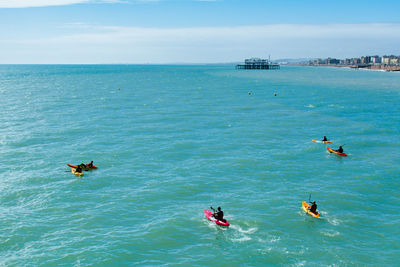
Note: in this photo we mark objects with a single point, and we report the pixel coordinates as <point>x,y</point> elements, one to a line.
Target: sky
<point>194,31</point>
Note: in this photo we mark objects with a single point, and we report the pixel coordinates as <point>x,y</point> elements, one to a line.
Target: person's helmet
<point>219,208</point>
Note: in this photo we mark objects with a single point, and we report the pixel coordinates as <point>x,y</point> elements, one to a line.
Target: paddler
<point>313,207</point>
<point>219,215</point>
<point>325,139</point>
<point>340,149</point>
<point>90,165</point>
<point>78,169</point>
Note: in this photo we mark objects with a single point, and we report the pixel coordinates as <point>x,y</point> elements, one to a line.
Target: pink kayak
<point>209,216</point>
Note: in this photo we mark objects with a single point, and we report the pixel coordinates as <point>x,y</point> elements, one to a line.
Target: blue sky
<point>193,31</point>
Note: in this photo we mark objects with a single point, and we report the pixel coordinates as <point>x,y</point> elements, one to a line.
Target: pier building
<point>257,64</point>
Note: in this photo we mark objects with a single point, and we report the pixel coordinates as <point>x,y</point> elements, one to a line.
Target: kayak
<point>209,216</point>
<point>326,142</point>
<point>305,207</point>
<point>73,170</point>
<point>86,168</point>
<point>337,153</point>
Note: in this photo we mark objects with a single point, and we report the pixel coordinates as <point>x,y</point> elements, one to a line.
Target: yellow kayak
<point>306,207</point>
<point>326,142</point>
<point>73,170</point>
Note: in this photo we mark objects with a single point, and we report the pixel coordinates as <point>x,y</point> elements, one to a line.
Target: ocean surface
<point>171,141</point>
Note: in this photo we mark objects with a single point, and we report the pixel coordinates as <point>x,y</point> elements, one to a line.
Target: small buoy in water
<point>119,89</point>
<point>249,93</point>
<point>275,94</point>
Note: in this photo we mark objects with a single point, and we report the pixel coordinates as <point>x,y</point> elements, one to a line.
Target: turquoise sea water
<point>175,140</point>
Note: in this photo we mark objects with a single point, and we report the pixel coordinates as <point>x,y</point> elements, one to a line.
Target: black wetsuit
<point>340,150</point>
<point>313,208</point>
<point>219,215</point>
<point>324,139</point>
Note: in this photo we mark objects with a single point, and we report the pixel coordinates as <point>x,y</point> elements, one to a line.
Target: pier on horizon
<point>257,64</point>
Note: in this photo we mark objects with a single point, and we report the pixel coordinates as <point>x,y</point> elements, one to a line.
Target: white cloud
<point>37,3</point>
<point>206,44</point>
<point>44,3</point>
<point>241,34</point>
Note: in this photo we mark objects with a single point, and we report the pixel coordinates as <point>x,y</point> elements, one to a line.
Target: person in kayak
<point>90,165</point>
<point>340,149</point>
<point>78,169</point>
<point>325,139</point>
<point>219,215</point>
<point>82,166</point>
<point>313,207</point>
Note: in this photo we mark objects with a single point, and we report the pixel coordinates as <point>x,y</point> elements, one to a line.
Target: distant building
<point>333,61</point>
<point>255,61</point>
<point>355,61</point>
<point>376,60</point>
<point>257,64</point>
<point>366,60</point>
<point>386,60</point>
<point>394,61</point>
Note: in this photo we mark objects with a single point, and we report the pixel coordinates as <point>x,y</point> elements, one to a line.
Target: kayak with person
<point>311,210</point>
<point>83,166</point>
<point>324,140</point>
<point>339,151</point>
<point>216,216</point>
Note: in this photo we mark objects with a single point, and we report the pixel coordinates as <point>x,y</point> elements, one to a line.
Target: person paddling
<point>90,165</point>
<point>219,215</point>
<point>325,139</point>
<point>340,149</point>
<point>78,169</point>
<point>313,207</point>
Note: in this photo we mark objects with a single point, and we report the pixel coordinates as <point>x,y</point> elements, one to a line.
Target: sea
<point>173,140</point>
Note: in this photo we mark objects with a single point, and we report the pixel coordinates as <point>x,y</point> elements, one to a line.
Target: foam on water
<point>330,233</point>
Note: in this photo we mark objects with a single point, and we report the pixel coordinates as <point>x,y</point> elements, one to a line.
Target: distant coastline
<point>368,67</point>
<point>384,63</point>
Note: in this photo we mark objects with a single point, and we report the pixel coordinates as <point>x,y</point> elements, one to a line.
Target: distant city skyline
<point>193,31</point>
<point>364,60</point>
